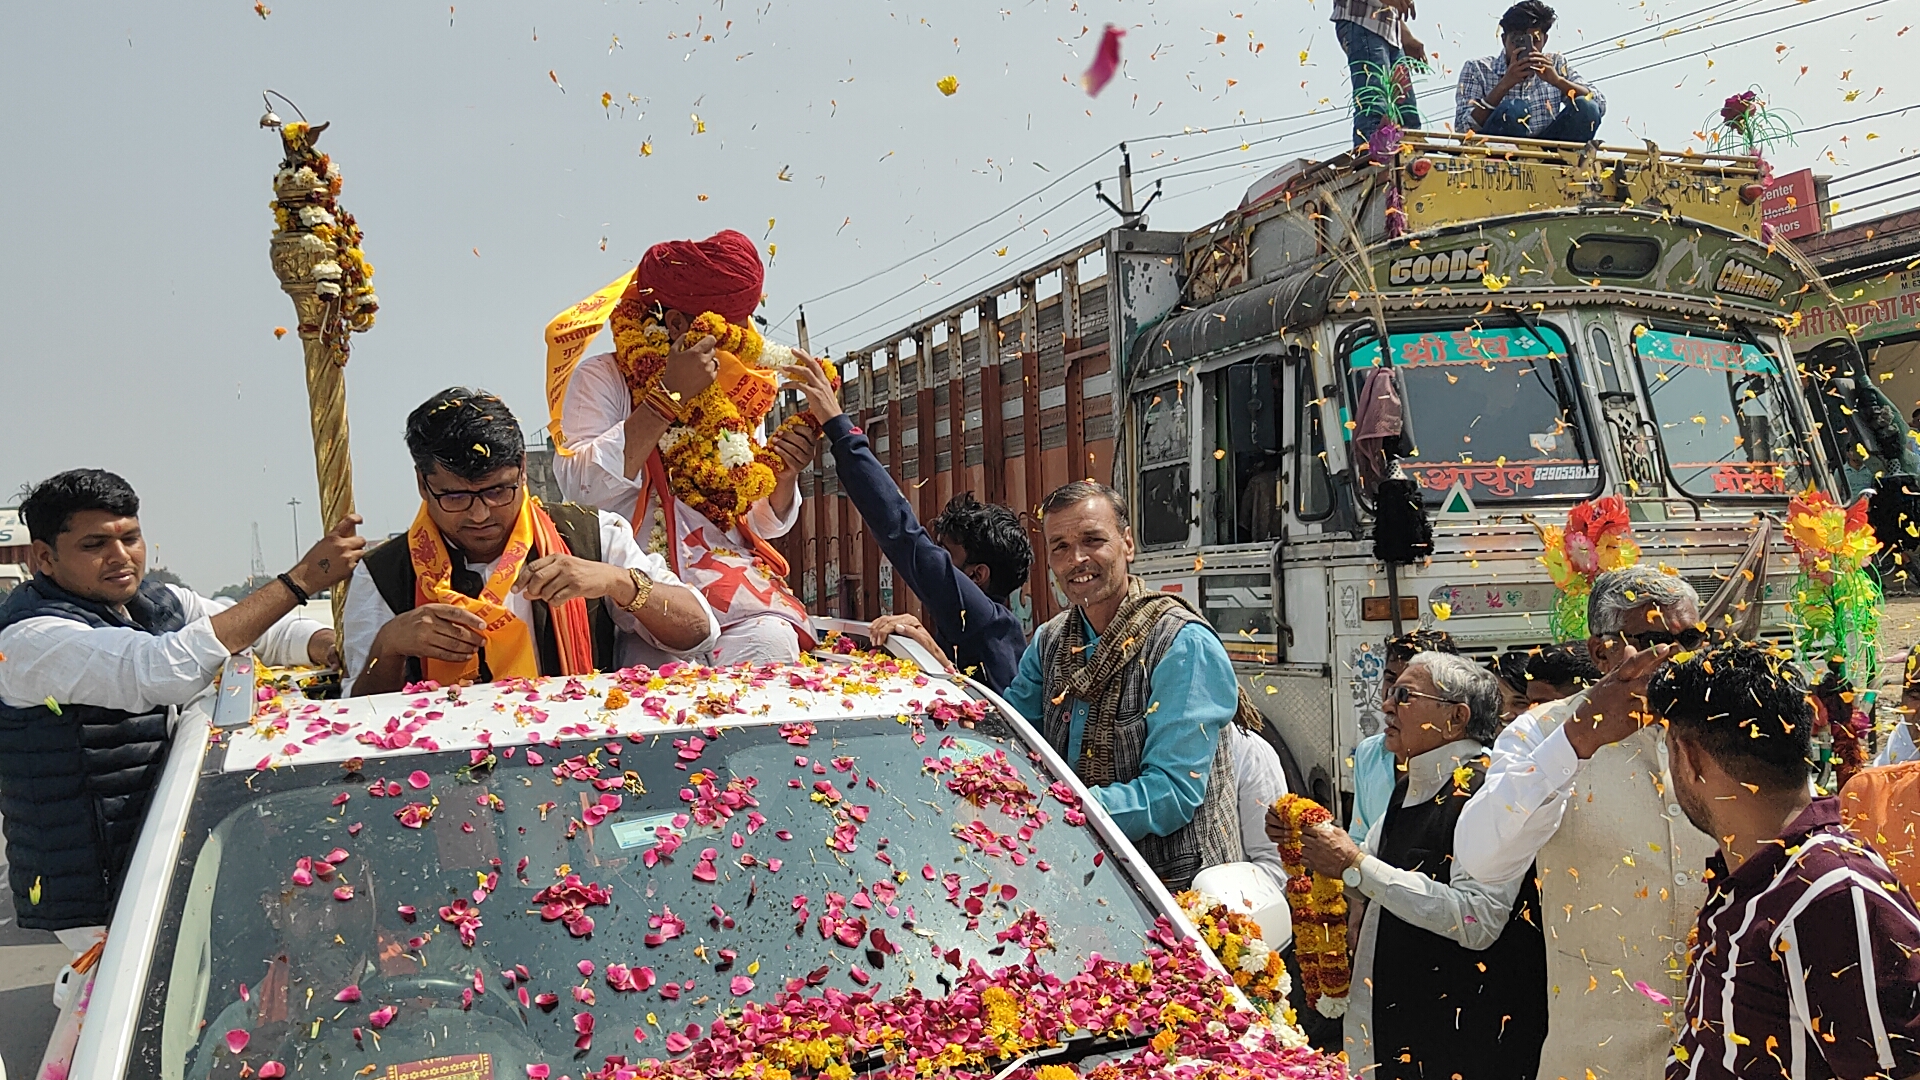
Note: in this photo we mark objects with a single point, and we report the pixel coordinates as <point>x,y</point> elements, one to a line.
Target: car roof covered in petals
<point>634,703</point>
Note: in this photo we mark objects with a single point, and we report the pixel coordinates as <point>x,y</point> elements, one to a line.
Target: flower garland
<point>1319,906</point>
<point>306,189</point>
<point>713,465</point>
<point>1597,538</point>
<point>1745,116</point>
<point>1834,608</point>
<point>1235,939</point>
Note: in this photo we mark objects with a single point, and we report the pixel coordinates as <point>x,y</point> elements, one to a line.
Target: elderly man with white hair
<point>1578,798</point>
<point>1460,989</point>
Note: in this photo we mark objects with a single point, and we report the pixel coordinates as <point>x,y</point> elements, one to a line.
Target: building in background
<point>540,478</point>
<point>1873,268</point>
<point>15,542</point>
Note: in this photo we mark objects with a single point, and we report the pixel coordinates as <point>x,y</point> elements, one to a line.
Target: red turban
<point>721,274</point>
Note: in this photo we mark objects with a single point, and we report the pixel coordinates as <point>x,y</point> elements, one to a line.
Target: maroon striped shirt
<point>1806,964</point>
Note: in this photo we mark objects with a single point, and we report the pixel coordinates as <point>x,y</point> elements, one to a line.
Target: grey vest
<point>1213,836</point>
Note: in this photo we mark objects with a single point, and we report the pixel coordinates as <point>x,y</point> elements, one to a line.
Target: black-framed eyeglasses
<point>1400,694</point>
<point>459,502</point>
<point>1689,638</point>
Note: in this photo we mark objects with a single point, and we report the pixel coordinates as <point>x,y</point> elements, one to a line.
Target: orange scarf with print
<point>510,649</point>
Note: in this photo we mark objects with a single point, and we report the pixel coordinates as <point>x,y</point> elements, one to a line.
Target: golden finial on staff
<point>316,255</point>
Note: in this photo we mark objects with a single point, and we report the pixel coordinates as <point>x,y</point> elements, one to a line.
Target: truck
<point>1562,322</point>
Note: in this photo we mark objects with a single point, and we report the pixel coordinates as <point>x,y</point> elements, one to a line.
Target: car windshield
<point>1483,408</point>
<point>1725,415</point>
<point>431,906</point>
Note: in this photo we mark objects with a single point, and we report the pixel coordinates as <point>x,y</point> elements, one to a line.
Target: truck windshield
<point>481,911</point>
<point>1484,409</point>
<point>1725,414</point>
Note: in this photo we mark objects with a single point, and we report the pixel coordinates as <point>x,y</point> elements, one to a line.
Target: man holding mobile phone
<point>1525,91</point>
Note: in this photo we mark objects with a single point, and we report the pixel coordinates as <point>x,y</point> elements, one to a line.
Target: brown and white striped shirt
<point>1806,964</point>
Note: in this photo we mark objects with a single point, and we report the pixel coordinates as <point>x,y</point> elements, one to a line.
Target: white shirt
<point>1465,910</point>
<point>123,668</point>
<point>1518,809</point>
<point>367,610</point>
<point>593,425</point>
<point>1261,782</point>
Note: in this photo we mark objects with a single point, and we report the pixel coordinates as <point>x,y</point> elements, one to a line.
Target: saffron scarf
<point>510,648</point>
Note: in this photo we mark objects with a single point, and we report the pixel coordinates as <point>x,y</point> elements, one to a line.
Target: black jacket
<point>75,780</point>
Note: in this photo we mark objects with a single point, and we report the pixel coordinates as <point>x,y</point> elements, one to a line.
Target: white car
<point>831,868</point>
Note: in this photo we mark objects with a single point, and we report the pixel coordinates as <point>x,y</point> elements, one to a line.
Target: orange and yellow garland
<point>1319,906</point>
<point>712,463</point>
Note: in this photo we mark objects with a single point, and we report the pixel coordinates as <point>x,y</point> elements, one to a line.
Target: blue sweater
<point>982,635</point>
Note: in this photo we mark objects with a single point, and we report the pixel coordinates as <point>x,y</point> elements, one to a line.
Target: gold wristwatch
<point>642,588</point>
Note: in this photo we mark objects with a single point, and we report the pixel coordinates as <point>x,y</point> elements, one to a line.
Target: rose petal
<point>271,1070</point>
<point>538,1072</point>
<point>381,1017</point>
<point>237,1040</point>
<point>419,779</point>
<point>741,986</point>
<point>348,994</point>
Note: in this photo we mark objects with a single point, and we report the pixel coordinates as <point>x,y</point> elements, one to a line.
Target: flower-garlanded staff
<point>317,256</point>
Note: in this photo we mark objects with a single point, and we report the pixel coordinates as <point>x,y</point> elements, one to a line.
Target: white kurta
<point>367,610</point>
<point>50,658</point>
<point>1620,883</point>
<point>1465,910</point>
<point>719,563</point>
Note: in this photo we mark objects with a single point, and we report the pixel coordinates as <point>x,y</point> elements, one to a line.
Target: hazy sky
<point>138,304</point>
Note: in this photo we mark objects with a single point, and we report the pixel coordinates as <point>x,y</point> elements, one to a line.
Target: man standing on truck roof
<point>625,412</point>
<point>1374,35</point>
<point>1135,690</point>
<point>489,584</point>
<point>97,657</point>
<point>964,572</point>
<point>1581,788</point>
<point>1524,91</point>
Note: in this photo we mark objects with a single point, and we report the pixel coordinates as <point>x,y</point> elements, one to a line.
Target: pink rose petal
<point>348,994</point>
<point>237,1040</point>
<point>381,1017</point>
<point>538,1072</point>
<point>271,1070</point>
<point>1653,995</point>
<point>418,779</point>
<point>741,986</point>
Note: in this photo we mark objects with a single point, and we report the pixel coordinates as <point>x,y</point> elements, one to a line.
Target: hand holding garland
<point>688,371</point>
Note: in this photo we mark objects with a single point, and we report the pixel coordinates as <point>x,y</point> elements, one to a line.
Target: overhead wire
<point>1741,41</point>
<point>1660,33</point>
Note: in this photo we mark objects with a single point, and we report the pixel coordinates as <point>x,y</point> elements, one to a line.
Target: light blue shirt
<point>1373,780</point>
<point>1194,694</point>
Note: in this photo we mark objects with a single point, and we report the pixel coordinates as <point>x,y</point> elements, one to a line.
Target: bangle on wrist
<point>299,594</point>
<point>663,403</point>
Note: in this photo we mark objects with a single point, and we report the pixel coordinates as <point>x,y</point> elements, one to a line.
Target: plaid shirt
<point>1371,15</point>
<point>1542,99</point>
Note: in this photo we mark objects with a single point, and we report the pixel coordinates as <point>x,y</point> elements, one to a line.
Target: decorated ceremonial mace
<point>316,255</point>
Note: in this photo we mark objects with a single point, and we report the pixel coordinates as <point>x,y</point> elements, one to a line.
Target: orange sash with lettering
<point>511,650</point>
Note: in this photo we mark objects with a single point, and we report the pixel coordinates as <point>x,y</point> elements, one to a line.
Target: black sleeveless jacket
<point>75,781</point>
<point>1446,1009</point>
<point>391,567</point>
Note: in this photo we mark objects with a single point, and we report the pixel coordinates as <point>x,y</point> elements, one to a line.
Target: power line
<point>1901,179</point>
<point>1742,41</point>
<point>1598,48</point>
<point>1857,119</point>
<point>1070,233</point>
<point>1857,173</point>
<point>1877,202</point>
<point>936,247</point>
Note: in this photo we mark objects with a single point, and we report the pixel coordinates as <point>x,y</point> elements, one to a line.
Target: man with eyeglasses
<point>1524,91</point>
<point>489,584</point>
<point>1580,789</point>
<point>1448,973</point>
